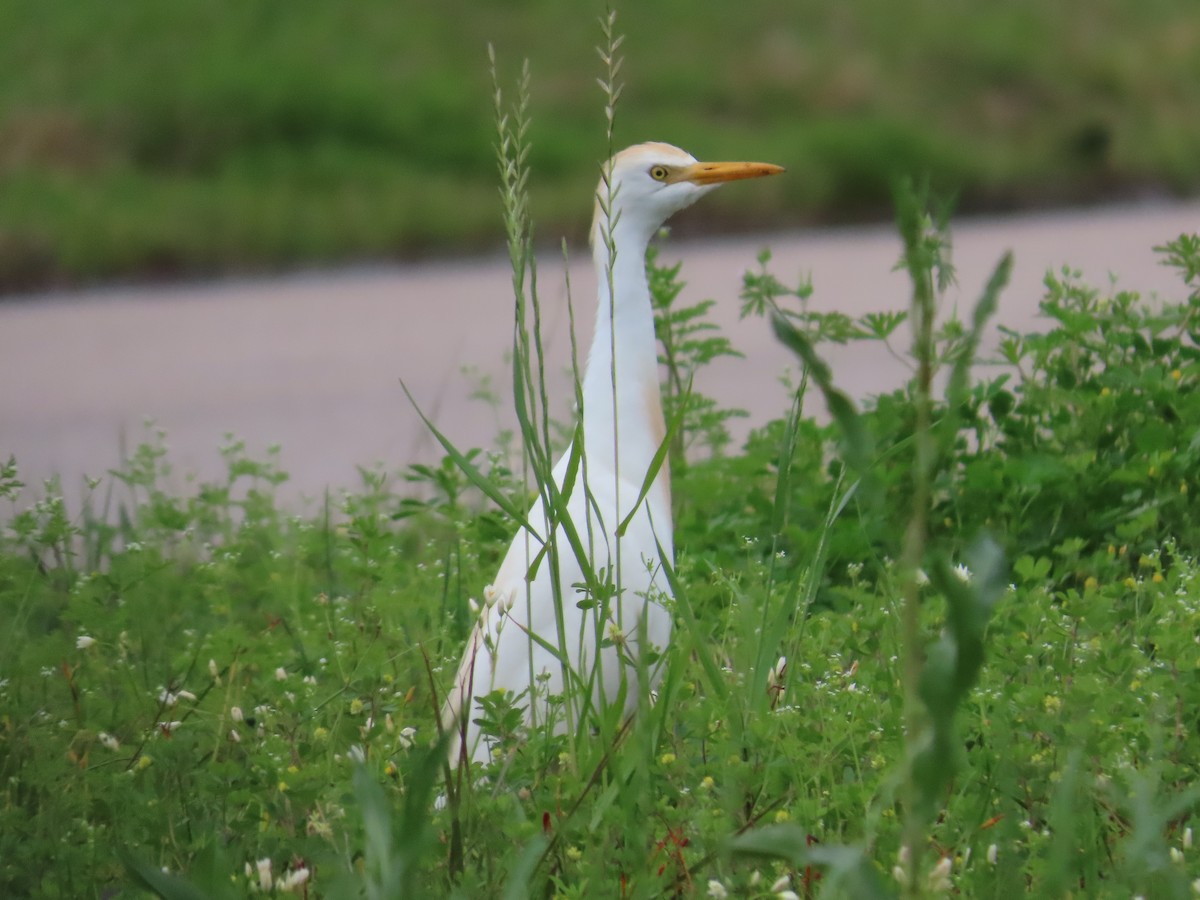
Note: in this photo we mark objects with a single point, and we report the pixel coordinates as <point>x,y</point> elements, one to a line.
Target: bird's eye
<point>659,173</point>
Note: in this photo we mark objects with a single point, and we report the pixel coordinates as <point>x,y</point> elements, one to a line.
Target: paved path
<point>313,362</point>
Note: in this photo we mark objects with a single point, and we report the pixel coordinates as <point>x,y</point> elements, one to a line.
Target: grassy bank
<point>167,140</point>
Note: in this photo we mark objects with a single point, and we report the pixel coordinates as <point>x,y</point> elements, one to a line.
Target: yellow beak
<point>717,172</point>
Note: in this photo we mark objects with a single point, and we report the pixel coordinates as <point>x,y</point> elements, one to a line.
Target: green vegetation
<point>166,139</point>
<point>206,684</point>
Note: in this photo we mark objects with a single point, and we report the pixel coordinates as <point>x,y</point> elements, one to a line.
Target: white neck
<point>625,441</point>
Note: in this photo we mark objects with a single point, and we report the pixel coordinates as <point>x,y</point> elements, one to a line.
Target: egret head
<point>648,183</point>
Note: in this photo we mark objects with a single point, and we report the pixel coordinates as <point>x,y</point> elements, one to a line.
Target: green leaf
<point>472,472</point>
<point>858,446</point>
<point>165,885</point>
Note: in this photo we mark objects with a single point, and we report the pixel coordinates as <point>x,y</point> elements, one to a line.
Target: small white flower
<point>235,713</point>
<point>992,853</point>
<point>782,883</point>
<point>167,698</point>
<point>406,737</point>
<point>264,874</point>
<point>716,889</point>
<point>310,680</point>
<point>292,880</point>
<point>109,741</point>
<point>168,728</point>
<point>1176,855</point>
<point>788,895</point>
<point>1187,839</point>
<point>281,674</point>
<point>213,670</point>
<point>963,573</point>
<point>234,736</point>
<point>357,754</point>
<point>939,878</point>
<point>507,601</point>
<point>84,641</point>
<point>186,695</point>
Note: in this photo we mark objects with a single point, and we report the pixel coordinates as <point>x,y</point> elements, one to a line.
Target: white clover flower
<point>292,880</point>
<point>265,881</point>
<point>716,890</point>
<point>939,877</point>
<point>84,641</point>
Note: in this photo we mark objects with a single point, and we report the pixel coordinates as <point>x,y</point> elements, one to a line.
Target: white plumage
<point>508,646</point>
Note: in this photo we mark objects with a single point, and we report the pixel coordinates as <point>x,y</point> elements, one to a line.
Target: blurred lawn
<point>163,139</point>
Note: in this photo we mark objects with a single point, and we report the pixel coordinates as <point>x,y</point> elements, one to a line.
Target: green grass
<point>166,140</point>
<point>195,683</point>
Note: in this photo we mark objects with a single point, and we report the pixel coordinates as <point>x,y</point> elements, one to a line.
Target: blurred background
<point>162,140</point>
<point>255,219</point>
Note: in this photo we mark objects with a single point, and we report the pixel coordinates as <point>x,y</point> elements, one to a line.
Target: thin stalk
<point>915,536</point>
<point>610,85</point>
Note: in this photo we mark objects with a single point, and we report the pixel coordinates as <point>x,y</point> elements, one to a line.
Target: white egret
<point>623,427</point>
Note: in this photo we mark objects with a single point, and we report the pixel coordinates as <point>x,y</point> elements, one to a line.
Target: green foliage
<point>688,342</point>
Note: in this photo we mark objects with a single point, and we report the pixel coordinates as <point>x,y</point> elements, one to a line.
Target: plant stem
<point>915,536</point>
